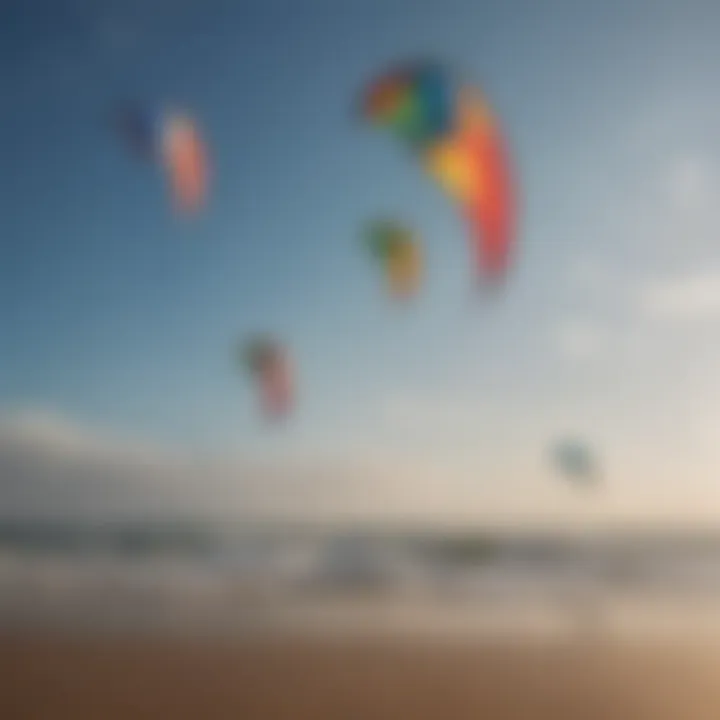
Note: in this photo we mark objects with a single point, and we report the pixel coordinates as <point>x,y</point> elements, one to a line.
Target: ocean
<point>241,578</point>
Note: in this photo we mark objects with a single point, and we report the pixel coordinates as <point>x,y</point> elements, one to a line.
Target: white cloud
<point>28,425</point>
<point>667,201</point>
<point>579,339</point>
<point>692,186</point>
<point>685,297</point>
<point>680,210</point>
<point>49,466</point>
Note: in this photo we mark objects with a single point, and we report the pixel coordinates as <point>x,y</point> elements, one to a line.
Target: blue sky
<point>117,315</point>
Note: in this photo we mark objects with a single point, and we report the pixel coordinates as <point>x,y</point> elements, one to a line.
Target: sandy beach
<point>106,677</point>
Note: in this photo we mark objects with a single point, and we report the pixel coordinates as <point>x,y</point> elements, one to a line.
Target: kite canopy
<point>399,254</point>
<point>185,159</point>
<point>459,143</point>
<point>258,353</point>
<point>414,102</point>
<point>270,367</point>
<point>173,140</point>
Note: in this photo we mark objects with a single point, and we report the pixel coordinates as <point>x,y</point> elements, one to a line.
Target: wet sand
<point>122,677</point>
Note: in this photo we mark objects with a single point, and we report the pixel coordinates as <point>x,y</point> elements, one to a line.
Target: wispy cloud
<point>49,465</point>
<point>52,466</point>
<point>691,186</point>
<point>680,209</point>
<point>690,296</point>
<point>579,338</point>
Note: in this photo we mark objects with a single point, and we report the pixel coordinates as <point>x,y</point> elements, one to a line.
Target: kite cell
<point>453,132</point>
<point>173,141</point>
<point>399,255</point>
<point>269,365</point>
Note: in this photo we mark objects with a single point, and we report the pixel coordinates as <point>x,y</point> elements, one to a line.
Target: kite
<point>173,141</point>
<point>270,367</point>
<point>452,130</point>
<point>399,254</point>
<point>575,460</point>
